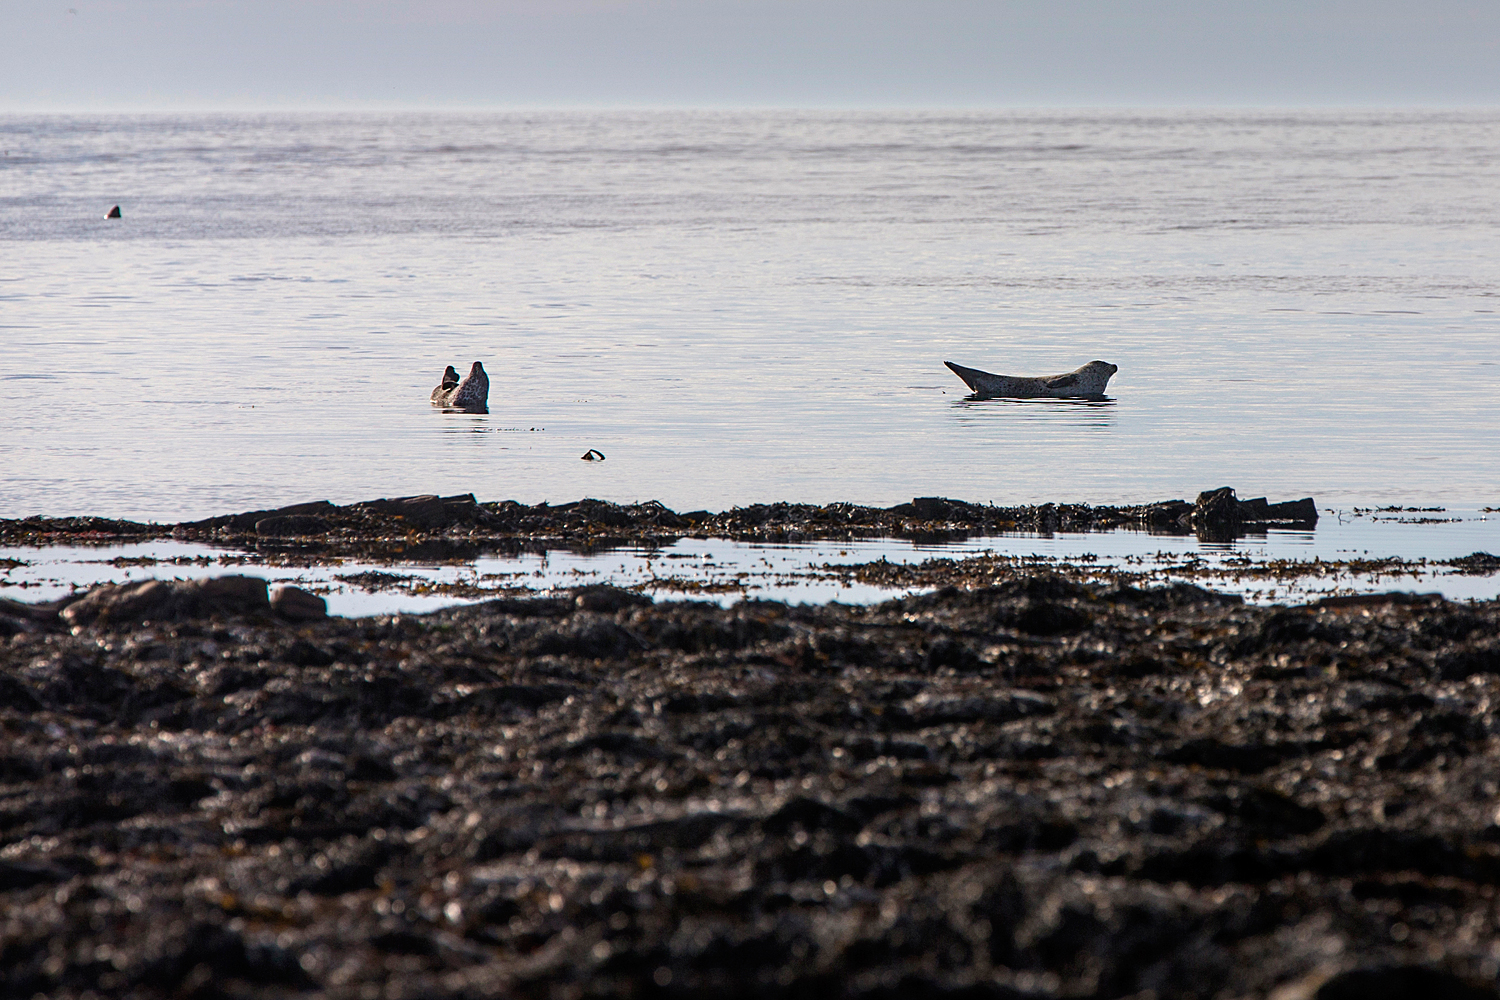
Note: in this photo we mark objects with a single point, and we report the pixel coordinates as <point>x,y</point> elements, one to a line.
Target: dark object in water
<point>114,213</point>
<point>1218,515</point>
<point>931,518</point>
<point>446,386</point>
<point>1085,382</point>
<point>472,394</point>
<point>593,455</point>
<point>1476,564</point>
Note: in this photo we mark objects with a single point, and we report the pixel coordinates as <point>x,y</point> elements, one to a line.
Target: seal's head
<point>1094,376</point>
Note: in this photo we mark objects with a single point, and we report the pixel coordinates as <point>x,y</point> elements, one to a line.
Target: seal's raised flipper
<point>445,387</point>
<point>971,376</point>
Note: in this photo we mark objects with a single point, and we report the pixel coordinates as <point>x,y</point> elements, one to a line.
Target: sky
<point>127,55</point>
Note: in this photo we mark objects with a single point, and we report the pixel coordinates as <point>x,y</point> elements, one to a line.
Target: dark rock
<point>929,709</point>
<point>428,512</point>
<point>1402,982</point>
<point>284,525</point>
<point>607,599</point>
<point>591,794</point>
<point>230,595</point>
<point>1477,564</point>
<point>1048,618</point>
<point>122,602</point>
<point>395,525</point>
<point>1481,657</point>
<point>125,604</point>
<point>1167,514</point>
<point>1249,758</point>
<point>810,814</point>
<point>1374,600</point>
<point>1267,811</point>
<point>129,603</point>
<point>1299,512</point>
<point>1216,515</point>
<point>19,875</point>
<point>297,605</point>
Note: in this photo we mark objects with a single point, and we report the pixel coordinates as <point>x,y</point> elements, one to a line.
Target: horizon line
<point>812,107</point>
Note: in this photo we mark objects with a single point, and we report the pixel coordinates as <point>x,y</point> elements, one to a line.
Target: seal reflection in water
<point>1084,382</point>
<point>472,394</point>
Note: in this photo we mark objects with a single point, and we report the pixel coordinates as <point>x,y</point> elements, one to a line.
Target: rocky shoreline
<point>1216,514</point>
<point>1038,787</point>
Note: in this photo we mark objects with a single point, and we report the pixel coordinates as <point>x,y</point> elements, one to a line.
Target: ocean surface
<point>746,307</point>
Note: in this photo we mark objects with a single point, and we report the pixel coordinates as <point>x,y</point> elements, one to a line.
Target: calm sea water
<point>746,307</point>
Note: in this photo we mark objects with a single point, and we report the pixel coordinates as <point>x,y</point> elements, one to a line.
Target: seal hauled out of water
<point>472,394</point>
<point>449,383</point>
<point>1087,381</point>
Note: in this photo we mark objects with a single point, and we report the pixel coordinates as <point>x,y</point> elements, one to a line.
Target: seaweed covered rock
<point>1033,788</point>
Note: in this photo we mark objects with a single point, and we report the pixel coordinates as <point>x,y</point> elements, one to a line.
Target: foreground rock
<point>1034,789</point>
<point>1215,515</point>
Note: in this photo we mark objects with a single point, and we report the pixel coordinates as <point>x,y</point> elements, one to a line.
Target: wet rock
<point>1476,564</point>
<point>125,604</point>
<point>284,525</point>
<point>591,794</point>
<point>374,528</point>
<point>1216,515</point>
<point>1048,618</point>
<point>297,605</point>
<point>428,512</point>
<point>1302,512</point>
<point>1400,982</point>
<point>929,708</point>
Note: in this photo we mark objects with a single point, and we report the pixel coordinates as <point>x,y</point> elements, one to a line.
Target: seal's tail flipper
<point>971,376</point>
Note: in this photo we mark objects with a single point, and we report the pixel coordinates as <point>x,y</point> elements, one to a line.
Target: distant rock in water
<point>472,394</point>
<point>114,213</point>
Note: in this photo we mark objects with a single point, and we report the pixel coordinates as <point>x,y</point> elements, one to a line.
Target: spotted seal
<point>449,383</point>
<point>472,394</point>
<point>1087,381</point>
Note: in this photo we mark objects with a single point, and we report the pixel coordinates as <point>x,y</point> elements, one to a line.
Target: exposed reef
<point>1215,514</point>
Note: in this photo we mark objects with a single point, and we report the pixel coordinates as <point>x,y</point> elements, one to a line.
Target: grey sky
<point>145,54</point>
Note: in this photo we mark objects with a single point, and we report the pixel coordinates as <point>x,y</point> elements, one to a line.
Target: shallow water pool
<point>1350,551</point>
